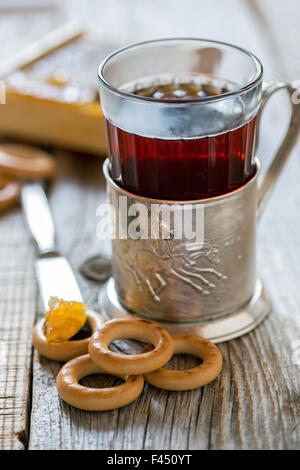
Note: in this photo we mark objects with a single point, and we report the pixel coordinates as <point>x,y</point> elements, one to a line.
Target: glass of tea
<point>181,117</point>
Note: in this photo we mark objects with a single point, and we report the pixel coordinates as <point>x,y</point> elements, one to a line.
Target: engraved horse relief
<point>151,262</point>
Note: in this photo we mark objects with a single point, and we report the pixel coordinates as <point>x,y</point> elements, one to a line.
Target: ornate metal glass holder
<point>210,288</point>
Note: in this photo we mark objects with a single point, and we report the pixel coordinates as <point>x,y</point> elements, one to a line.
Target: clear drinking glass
<point>195,141</point>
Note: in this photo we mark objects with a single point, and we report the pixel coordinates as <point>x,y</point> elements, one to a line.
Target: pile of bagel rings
<point>92,355</point>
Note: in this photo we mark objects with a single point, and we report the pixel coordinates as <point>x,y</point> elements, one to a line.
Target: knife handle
<point>38,217</point>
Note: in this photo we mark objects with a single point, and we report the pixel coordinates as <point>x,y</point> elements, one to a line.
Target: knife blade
<point>54,274</point>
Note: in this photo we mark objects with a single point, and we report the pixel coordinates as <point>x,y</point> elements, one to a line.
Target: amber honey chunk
<point>64,319</point>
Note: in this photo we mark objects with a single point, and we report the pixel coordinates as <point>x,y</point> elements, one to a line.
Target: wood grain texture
<point>254,403</point>
<point>18,296</point>
<point>17,316</point>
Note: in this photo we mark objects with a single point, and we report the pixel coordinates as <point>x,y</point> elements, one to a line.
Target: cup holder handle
<point>270,179</point>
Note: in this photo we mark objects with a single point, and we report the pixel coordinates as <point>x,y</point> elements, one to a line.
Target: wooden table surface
<point>255,402</point>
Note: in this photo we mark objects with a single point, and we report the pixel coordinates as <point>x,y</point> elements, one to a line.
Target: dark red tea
<point>181,169</point>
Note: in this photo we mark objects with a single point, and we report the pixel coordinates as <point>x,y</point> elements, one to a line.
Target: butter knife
<point>54,274</point>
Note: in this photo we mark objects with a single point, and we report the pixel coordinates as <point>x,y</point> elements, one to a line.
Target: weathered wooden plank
<point>255,401</point>
<point>17,316</point>
<point>17,284</point>
<point>252,405</point>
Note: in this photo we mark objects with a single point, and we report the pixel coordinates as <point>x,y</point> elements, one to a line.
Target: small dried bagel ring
<point>9,193</point>
<point>95,399</point>
<point>191,378</point>
<point>133,328</point>
<point>68,349</point>
<point>25,162</point>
